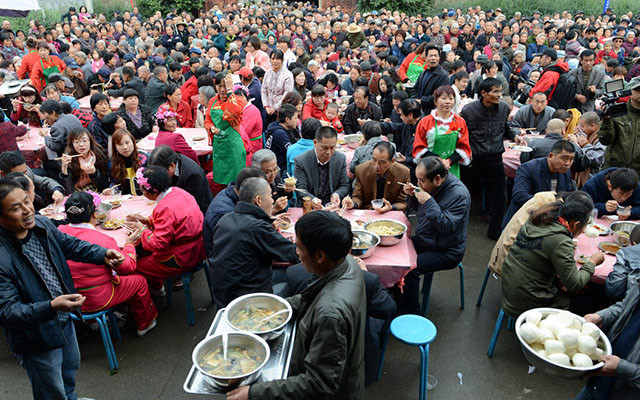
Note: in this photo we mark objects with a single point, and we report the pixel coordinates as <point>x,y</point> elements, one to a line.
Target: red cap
<point>245,72</point>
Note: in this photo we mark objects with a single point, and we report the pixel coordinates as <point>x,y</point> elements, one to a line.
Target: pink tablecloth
<point>511,158</point>
<point>201,147</point>
<point>130,205</point>
<point>392,263</point>
<point>587,246</point>
<point>31,147</point>
<point>85,103</point>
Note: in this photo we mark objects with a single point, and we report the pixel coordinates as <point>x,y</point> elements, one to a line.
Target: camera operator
<point>619,133</point>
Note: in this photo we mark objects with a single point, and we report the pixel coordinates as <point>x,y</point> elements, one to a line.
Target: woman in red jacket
<point>167,135</point>
<point>413,64</point>
<point>315,108</point>
<point>184,113</point>
<point>105,287</point>
<point>46,66</point>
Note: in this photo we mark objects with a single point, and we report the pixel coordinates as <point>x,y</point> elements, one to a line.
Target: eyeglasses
<point>272,172</point>
<point>82,141</point>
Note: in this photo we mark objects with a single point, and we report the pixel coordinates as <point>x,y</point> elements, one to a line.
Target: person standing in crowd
<point>488,122</point>
<point>277,82</point>
<point>589,82</point>
<point>431,78</point>
<point>156,87</point>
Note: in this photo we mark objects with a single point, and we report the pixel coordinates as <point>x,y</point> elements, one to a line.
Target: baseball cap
<point>195,50</point>
<point>103,72</point>
<point>72,64</point>
<point>245,72</point>
<point>634,84</point>
<point>128,57</point>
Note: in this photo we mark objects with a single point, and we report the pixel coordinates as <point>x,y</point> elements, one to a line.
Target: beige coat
<point>502,246</point>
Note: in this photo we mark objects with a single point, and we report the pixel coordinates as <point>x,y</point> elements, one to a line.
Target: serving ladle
<point>284,310</point>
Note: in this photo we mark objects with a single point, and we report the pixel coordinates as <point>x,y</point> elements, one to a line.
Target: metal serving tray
<point>276,368</point>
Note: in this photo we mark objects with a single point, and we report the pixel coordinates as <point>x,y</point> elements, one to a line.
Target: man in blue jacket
<point>277,138</point>
<point>37,292</point>
<point>542,175</point>
<point>615,187</point>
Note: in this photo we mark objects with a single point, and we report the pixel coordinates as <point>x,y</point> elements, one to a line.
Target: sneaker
<point>145,331</point>
<point>178,285</point>
<point>158,292</point>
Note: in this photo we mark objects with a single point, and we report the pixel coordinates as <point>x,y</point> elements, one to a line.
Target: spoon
<point>273,315</point>
<point>225,339</point>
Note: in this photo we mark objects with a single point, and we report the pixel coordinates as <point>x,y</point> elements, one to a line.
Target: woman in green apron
<point>223,118</point>
<point>48,65</point>
<point>443,133</point>
<point>413,64</point>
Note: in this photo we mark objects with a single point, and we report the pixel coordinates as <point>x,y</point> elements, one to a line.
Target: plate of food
<point>197,138</point>
<point>582,259</point>
<point>521,148</point>
<point>602,230</point>
<point>113,224</point>
<point>609,247</point>
<point>115,203</point>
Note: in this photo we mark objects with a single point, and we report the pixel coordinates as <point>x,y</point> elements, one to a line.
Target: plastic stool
<point>484,286</point>
<point>186,280</point>
<point>426,290</point>
<point>100,318</point>
<point>413,330</point>
<point>496,331</point>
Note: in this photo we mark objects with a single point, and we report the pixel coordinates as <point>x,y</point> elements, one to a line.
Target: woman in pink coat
<point>105,287</point>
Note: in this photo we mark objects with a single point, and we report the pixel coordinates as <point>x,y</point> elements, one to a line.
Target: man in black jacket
<point>404,132</point>
<point>37,292</point>
<point>430,79</point>
<point>245,244</point>
<point>361,110</point>
<point>184,173</point>
<point>130,81</point>
<point>488,122</point>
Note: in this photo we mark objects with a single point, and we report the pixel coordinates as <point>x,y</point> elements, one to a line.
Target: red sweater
<point>425,137</point>
<point>177,142</point>
<point>310,110</point>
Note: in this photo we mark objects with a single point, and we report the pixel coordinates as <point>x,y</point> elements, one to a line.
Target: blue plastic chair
<point>426,290</point>
<point>496,331</point>
<point>484,286</point>
<point>100,318</point>
<point>413,330</point>
<point>186,279</point>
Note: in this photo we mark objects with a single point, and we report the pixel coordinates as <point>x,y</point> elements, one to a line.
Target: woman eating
<point>45,67</point>
<point>83,164</point>
<point>443,133</point>
<point>180,108</point>
<point>173,232</point>
<point>222,121</point>
<point>25,107</point>
<point>125,161</point>
<point>167,136</point>
<point>104,287</point>
<point>139,118</point>
<point>540,269</point>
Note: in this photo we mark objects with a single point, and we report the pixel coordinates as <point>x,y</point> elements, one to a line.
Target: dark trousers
<point>428,263</point>
<point>492,180</point>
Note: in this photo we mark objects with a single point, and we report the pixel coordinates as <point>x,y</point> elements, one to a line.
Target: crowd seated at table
<point>244,112</point>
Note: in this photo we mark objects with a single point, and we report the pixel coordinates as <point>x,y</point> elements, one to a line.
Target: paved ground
<point>155,367</point>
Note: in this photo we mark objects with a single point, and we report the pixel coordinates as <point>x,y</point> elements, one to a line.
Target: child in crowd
<point>331,116</point>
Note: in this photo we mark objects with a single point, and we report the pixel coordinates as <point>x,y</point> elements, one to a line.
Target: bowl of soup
<point>364,243</point>
<point>622,231</point>
<point>389,231</point>
<point>248,313</point>
<point>247,354</point>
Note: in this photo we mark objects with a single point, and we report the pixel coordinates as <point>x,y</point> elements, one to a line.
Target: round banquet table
<point>391,263</point>
<point>32,146</point>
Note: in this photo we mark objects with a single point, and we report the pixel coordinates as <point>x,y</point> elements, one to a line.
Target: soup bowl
<point>238,339</point>
<point>260,300</point>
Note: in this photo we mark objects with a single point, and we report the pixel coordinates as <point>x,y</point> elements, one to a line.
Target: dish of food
<point>385,228</point>
<point>582,259</point>
<point>609,247</point>
<point>197,138</point>
<point>290,181</point>
<point>249,319</point>
<point>340,141</point>
<point>113,224</point>
<point>114,203</point>
<point>602,230</point>
<point>101,217</point>
<point>522,149</point>
<point>240,361</point>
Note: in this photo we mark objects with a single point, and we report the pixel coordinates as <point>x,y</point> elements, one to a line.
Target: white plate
<point>520,148</point>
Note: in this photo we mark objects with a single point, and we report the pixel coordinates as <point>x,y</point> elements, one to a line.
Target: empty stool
<point>496,331</point>
<point>186,280</point>
<point>417,331</point>
<point>100,318</point>
<point>426,290</point>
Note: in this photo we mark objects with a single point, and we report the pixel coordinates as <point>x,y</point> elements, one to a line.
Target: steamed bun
<point>569,337</point>
<point>586,345</point>
<point>554,346</point>
<point>560,358</point>
<point>581,360</point>
<point>533,317</point>
<point>529,332</point>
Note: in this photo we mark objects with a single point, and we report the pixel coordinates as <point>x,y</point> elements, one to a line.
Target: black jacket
<point>353,113</point>
<point>244,246</point>
<point>488,128</point>
<point>428,81</point>
<point>190,177</point>
<point>403,136</point>
<point>155,94</point>
<point>148,121</point>
<point>134,83</point>
<point>30,324</point>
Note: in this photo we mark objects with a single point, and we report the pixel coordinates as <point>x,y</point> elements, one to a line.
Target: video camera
<point>614,90</point>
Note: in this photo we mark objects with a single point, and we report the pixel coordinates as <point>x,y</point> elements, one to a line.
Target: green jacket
<point>538,255</point>
<point>328,352</point>
<point>621,135</point>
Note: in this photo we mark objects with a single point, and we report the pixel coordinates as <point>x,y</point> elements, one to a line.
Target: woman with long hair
<point>84,164</point>
<point>125,161</point>
<point>300,82</point>
<point>540,269</point>
<point>386,87</point>
<point>443,133</point>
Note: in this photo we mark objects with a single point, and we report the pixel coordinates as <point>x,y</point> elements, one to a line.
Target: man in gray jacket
<point>535,115</point>
<point>626,269</point>
<point>589,82</point>
<point>619,378</point>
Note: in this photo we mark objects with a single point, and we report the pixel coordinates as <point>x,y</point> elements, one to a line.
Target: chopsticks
<point>344,206</point>
<point>415,188</point>
<point>73,156</point>
<point>281,186</point>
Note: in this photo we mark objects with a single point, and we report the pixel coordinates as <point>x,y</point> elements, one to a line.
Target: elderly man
<point>589,82</point>
<point>443,204</point>
<point>245,243</point>
<point>361,110</point>
<point>266,160</point>
<point>129,81</point>
<point>542,146</point>
<point>37,293</point>
<point>322,172</point>
<point>328,354</point>
<point>156,87</point>
<point>379,179</point>
<point>534,115</point>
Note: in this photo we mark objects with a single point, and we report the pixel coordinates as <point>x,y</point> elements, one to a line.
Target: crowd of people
<point>273,88</point>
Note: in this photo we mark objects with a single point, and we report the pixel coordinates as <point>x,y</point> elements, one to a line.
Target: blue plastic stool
<point>417,331</point>
<point>426,290</point>
<point>186,280</point>
<point>484,286</point>
<point>100,318</point>
<point>496,331</point>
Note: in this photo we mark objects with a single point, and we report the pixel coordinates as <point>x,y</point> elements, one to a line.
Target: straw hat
<point>353,28</point>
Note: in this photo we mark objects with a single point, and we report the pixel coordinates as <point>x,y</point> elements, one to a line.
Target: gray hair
<point>159,70</point>
<point>252,187</point>
<point>208,92</point>
<point>261,156</point>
